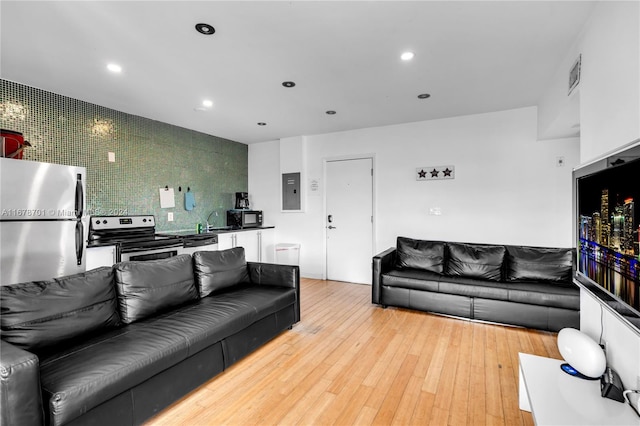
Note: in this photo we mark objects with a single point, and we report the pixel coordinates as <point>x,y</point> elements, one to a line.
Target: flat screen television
<point>607,220</point>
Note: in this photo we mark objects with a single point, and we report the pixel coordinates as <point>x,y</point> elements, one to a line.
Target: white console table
<point>555,398</point>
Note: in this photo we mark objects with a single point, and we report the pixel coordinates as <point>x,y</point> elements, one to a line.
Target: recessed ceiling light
<point>424,96</point>
<point>207,103</point>
<point>288,84</point>
<point>205,29</point>
<point>114,68</point>
<point>407,56</point>
<point>330,112</point>
<point>262,124</point>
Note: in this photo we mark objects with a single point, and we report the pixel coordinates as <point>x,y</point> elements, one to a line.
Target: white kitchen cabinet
<point>100,256</point>
<point>226,241</point>
<point>191,250</point>
<point>258,243</point>
<point>267,245</point>
<point>248,240</point>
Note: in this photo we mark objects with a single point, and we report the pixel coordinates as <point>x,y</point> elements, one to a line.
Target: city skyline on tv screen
<point>609,230</point>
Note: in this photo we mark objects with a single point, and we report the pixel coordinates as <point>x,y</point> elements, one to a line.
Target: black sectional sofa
<point>115,345</point>
<point>518,285</point>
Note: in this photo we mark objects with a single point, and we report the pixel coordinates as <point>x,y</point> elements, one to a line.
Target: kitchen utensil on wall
<point>189,200</point>
<point>13,144</point>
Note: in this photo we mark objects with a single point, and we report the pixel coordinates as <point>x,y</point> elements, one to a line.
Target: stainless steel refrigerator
<point>42,220</point>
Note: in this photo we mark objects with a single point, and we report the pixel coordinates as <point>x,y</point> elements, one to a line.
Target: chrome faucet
<point>209,226</point>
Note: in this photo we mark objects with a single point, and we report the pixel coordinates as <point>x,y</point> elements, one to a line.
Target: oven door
<point>141,253</point>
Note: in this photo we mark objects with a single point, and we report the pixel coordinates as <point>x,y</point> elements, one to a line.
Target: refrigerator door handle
<point>79,197</point>
<point>79,241</point>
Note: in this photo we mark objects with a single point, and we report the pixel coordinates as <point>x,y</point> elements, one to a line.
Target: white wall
<point>606,103</point>
<point>609,111</point>
<point>622,343</point>
<point>610,86</point>
<point>507,189</point>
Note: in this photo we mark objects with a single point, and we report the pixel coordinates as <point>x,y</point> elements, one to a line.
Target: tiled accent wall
<point>149,155</point>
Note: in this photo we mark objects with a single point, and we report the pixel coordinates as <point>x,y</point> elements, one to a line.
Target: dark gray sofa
<point>518,285</point>
<point>116,345</point>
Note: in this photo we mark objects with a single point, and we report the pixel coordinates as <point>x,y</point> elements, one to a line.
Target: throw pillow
<point>40,314</point>
<point>539,264</point>
<point>476,261</point>
<point>216,270</point>
<point>420,254</point>
<point>149,287</point>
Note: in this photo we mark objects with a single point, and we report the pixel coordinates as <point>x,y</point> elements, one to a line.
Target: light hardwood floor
<point>350,362</point>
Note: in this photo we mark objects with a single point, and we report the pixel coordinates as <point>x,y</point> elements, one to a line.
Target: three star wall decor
<point>435,172</point>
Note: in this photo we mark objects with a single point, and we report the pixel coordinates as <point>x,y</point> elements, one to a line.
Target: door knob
<point>331,227</point>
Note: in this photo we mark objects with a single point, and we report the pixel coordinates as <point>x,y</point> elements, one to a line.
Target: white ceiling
<point>472,57</point>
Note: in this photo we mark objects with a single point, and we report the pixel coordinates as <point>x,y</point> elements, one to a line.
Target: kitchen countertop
<point>183,233</point>
<point>187,233</point>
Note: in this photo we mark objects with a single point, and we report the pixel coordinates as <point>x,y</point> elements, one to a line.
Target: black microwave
<point>244,218</point>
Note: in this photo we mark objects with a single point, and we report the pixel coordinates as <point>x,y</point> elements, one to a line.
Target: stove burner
<point>128,232</point>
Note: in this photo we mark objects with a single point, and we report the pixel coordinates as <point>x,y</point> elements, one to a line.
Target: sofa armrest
<point>276,275</point>
<point>382,262</point>
<point>20,394</point>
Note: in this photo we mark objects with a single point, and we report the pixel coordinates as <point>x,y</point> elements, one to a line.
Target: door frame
<point>374,210</point>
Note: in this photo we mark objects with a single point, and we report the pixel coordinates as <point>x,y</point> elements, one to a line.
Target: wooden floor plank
<point>387,410</point>
<point>437,362</point>
<point>493,393</point>
<point>477,391</point>
<point>350,362</point>
<point>350,413</point>
<point>459,408</point>
<point>408,402</point>
<point>423,412</point>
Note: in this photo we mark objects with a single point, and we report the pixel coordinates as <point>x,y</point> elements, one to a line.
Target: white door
<point>349,220</point>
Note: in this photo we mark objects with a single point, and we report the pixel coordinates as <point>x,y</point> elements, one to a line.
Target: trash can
<point>287,254</point>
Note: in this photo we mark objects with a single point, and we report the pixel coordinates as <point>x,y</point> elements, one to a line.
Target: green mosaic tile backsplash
<point>149,155</point>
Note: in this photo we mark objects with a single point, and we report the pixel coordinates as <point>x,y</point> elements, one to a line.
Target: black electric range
<point>129,233</point>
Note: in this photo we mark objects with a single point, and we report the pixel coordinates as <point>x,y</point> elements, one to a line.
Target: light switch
<point>170,216</point>
<point>112,157</point>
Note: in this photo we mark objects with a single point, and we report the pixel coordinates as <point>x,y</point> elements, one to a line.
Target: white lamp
<point>582,353</point>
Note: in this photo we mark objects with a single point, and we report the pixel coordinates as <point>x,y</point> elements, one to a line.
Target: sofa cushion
<point>474,287</point>
<point>214,318</point>
<point>148,287</point>
<point>539,264</point>
<point>420,254</point>
<point>40,314</point>
<point>216,270</point>
<point>79,379</point>
<point>556,295</point>
<point>475,261</point>
<point>411,278</point>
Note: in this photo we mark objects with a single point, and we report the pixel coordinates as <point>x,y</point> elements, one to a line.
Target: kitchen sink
<point>219,228</point>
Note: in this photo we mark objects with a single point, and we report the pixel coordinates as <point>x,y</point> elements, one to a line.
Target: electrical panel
<point>291,191</point>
